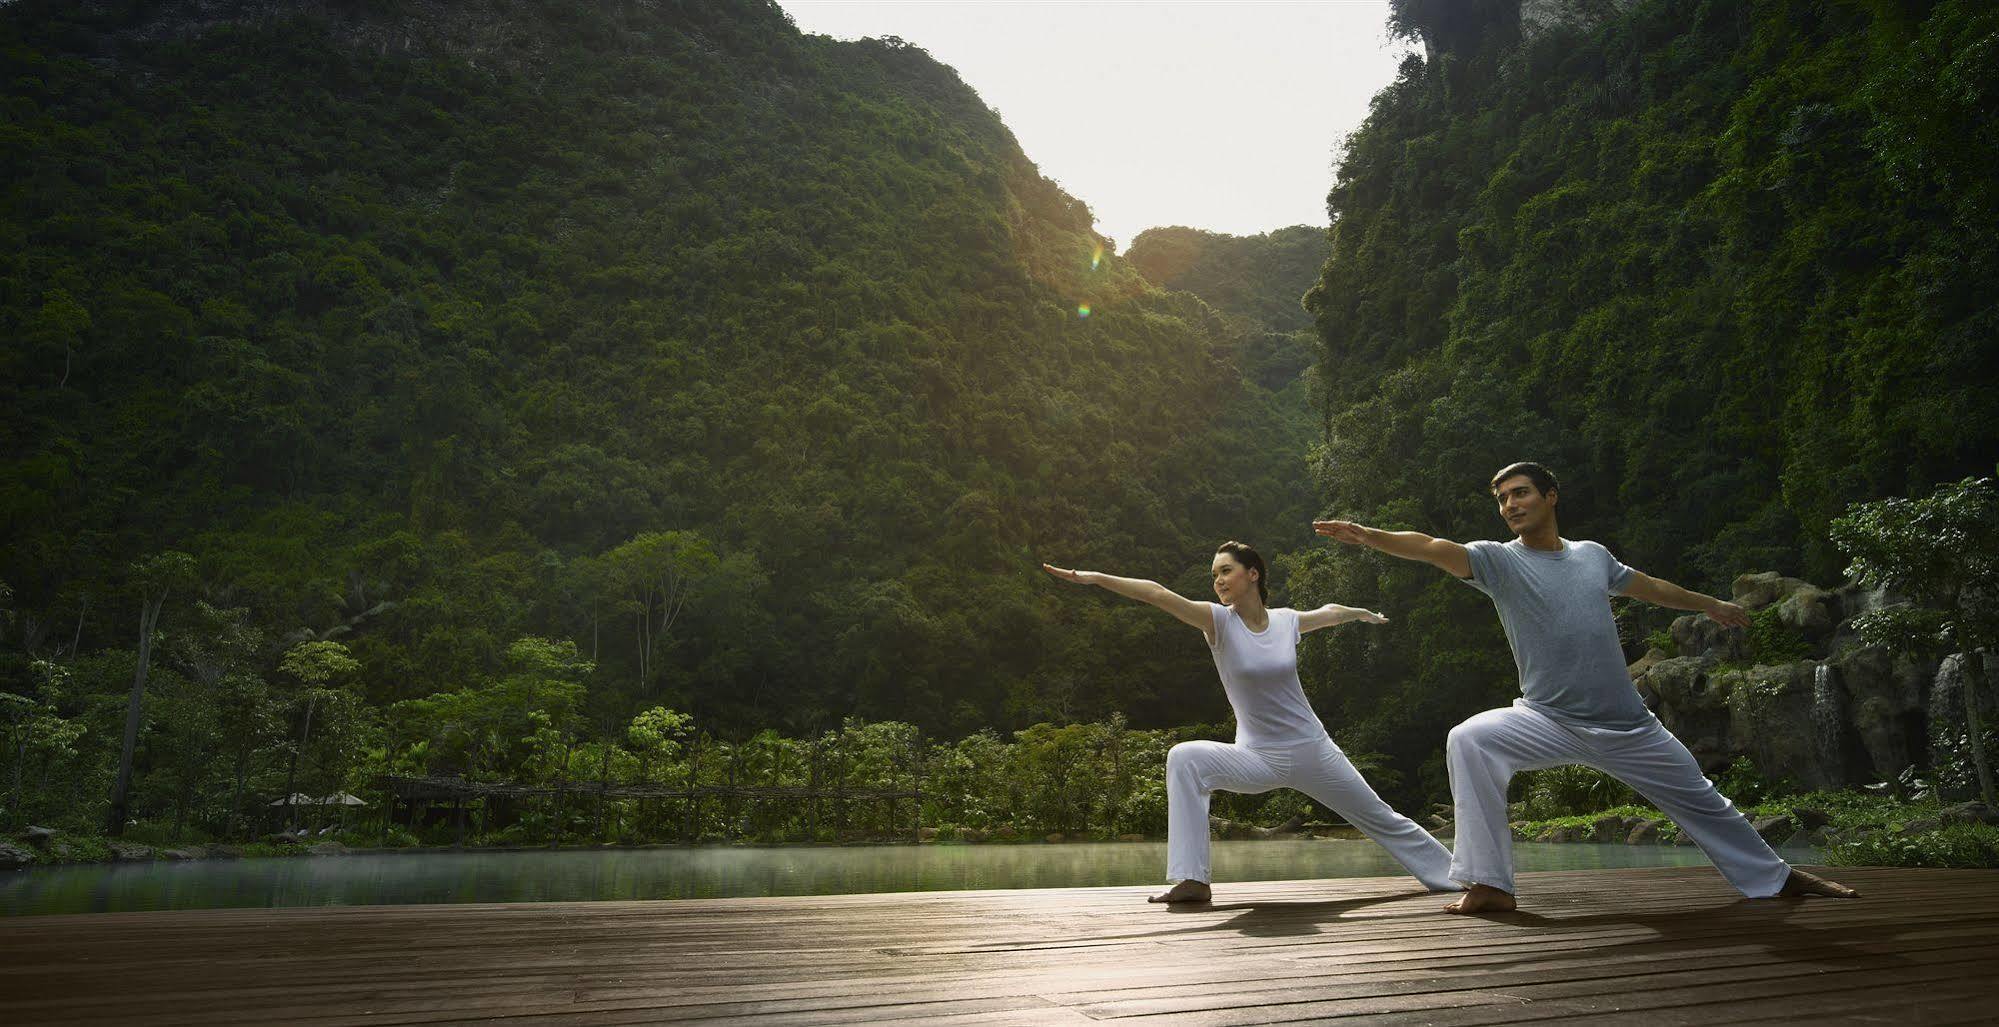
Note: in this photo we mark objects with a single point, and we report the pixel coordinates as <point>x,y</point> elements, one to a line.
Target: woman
<point>1279,742</point>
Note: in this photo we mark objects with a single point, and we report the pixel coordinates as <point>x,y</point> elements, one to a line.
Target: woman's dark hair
<point>1245,554</point>
<point>1543,478</point>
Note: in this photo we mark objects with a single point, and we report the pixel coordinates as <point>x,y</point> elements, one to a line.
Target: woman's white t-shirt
<point>1260,674</point>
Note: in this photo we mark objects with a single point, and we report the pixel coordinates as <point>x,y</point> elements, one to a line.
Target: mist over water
<point>452,877</point>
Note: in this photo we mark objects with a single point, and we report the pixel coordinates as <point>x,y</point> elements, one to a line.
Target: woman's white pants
<point>1486,751</point>
<point>1317,768</point>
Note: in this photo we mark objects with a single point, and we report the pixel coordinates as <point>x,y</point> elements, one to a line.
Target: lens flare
<point>1083,311</point>
<point>1096,257</point>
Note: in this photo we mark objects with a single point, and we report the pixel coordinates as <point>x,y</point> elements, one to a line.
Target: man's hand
<point>1727,614</point>
<point>1343,531</point>
<point>1443,554</point>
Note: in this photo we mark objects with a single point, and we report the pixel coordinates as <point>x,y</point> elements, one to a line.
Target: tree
<point>154,578</point>
<point>654,575</point>
<point>35,726</point>
<point>1942,553</point>
<point>656,734</point>
<point>220,653</point>
<point>318,666</point>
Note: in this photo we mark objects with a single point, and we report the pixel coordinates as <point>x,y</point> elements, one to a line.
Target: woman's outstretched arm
<point>1333,613</point>
<point>1192,613</point>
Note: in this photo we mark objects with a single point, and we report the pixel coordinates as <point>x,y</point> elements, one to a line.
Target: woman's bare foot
<point>1801,884</point>
<point>1482,898</point>
<point>1185,891</point>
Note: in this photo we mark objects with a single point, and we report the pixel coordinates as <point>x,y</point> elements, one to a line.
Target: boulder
<point>1811,612</point>
<point>1646,833</point>
<point>37,835</point>
<point>1004,833</point>
<point>1445,831</point>
<point>1971,813</point>
<point>128,852</point>
<point>1774,830</point>
<point>1692,707</point>
<point>926,834</point>
<point>1810,818</point>
<point>1772,719</point>
<point>972,834</point>
<point>1646,662</point>
<point>1922,825</point>
<point>1695,635</point>
<point>1606,830</point>
<point>328,849</point>
<point>1131,837</point>
<point>1055,838</point>
<point>1820,837</point>
<point>1886,699</point>
<point>180,855</point>
<point>1756,591</point>
<point>14,857</point>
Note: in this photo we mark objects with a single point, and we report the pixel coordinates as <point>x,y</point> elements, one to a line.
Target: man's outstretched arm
<point>1441,553</point>
<point>1664,593</point>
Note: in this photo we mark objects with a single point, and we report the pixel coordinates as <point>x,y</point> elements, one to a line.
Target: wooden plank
<point>1671,944</point>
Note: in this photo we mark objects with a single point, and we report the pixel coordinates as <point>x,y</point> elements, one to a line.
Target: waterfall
<point>1829,720</point>
<point>1946,712</point>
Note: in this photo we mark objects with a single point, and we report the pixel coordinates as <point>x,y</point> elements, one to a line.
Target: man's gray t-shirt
<point>1556,611</point>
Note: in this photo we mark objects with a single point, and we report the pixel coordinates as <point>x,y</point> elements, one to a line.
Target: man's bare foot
<point>1482,898</point>
<point>1801,884</point>
<point>1185,891</point>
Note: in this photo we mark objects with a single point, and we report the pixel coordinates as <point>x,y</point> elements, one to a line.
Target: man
<point>1577,703</point>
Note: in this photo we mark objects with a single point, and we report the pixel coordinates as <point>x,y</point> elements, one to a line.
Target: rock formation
<point>1842,714</point>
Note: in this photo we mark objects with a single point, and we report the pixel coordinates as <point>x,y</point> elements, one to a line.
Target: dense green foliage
<point>1726,266</point>
<point>424,351</point>
<point>760,368</point>
<point>1261,278</point>
<point>1941,553</point>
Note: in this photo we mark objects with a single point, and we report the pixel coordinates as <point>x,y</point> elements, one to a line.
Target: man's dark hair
<point>1247,555</point>
<point>1543,478</point>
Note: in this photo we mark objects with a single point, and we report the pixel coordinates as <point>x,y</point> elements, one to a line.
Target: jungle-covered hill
<point>763,367</point>
<point>1728,267</point>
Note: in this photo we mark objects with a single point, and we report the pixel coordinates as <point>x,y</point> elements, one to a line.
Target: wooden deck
<point>1650,946</point>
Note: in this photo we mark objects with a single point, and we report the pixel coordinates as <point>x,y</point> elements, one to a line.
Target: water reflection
<point>445,877</point>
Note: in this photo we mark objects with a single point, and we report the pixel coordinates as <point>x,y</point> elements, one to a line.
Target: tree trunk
<point>603,784</point>
<point>1974,719</point>
<point>236,795</point>
<point>20,761</point>
<point>77,639</point>
<point>291,773</point>
<point>149,616</point>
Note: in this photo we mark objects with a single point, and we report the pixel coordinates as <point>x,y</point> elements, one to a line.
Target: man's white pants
<point>1485,752</point>
<point>1319,769</point>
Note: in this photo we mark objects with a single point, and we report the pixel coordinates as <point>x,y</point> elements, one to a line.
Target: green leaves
<point>1941,552</point>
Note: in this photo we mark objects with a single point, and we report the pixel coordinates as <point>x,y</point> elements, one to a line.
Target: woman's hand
<point>1333,613</point>
<point>1079,577</point>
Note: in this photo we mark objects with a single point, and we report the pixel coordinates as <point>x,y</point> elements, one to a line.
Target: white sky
<point>1216,115</point>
